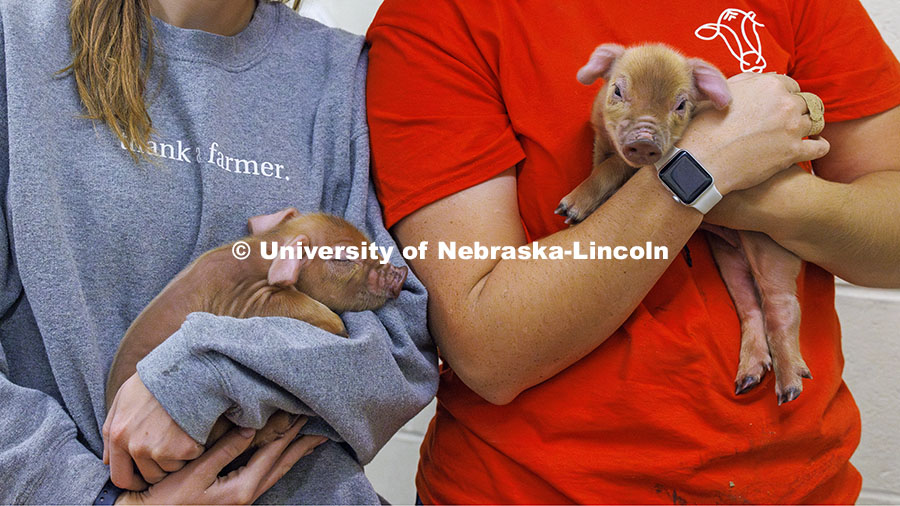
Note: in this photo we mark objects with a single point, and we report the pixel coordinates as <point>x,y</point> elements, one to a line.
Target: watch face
<point>685,177</point>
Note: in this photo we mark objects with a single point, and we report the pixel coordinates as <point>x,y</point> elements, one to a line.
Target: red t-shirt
<point>461,90</point>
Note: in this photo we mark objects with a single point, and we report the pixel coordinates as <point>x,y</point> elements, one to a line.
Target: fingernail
<point>247,432</point>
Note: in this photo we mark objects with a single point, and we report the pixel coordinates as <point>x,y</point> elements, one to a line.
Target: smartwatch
<point>689,182</point>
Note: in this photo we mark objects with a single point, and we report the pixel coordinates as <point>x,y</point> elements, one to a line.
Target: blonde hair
<point>110,64</point>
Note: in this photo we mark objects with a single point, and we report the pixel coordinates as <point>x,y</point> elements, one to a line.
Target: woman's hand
<point>760,134</point>
<point>199,482</point>
<point>138,430</point>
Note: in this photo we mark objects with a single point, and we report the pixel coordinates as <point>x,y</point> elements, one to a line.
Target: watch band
<point>706,200</point>
<point>108,494</point>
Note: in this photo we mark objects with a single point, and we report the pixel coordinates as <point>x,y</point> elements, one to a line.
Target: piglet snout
<point>641,152</point>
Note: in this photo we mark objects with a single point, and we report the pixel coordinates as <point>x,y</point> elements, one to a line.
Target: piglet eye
<point>681,105</point>
<point>616,91</point>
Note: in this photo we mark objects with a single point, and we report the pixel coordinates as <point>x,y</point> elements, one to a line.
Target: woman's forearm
<point>385,371</point>
<point>523,321</point>
<point>850,229</point>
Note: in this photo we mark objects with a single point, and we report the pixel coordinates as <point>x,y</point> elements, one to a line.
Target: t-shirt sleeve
<point>840,56</point>
<point>437,119</point>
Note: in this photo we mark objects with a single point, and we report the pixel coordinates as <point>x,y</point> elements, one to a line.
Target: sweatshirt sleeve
<point>361,389</point>
<point>41,459</point>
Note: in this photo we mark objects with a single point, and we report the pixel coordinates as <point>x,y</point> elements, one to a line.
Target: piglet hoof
<point>788,386</point>
<point>746,384</point>
<point>752,369</point>
<point>574,215</point>
<point>789,380</point>
<point>789,394</point>
<point>275,427</point>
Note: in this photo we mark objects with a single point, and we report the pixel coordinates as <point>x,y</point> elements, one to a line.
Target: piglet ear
<point>600,63</point>
<point>286,271</point>
<point>263,223</point>
<point>710,83</point>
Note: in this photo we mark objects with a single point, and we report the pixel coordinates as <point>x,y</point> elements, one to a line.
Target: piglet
<point>308,289</point>
<point>643,108</point>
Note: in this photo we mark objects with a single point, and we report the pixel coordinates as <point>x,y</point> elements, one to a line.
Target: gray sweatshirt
<point>271,118</point>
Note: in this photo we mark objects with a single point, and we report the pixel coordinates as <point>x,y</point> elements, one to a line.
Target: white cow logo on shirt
<point>739,31</point>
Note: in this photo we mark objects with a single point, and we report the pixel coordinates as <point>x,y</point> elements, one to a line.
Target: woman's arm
<point>41,459</point>
<point>844,220</point>
<point>362,389</point>
<point>506,325</point>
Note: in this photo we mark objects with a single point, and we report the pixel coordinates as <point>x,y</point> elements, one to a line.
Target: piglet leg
<point>291,303</point>
<point>735,270</point>
<point>607,177</point>
<point>775,270</point>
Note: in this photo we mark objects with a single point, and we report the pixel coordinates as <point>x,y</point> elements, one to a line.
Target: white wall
<point>870,319</point>
<point>351,15</point>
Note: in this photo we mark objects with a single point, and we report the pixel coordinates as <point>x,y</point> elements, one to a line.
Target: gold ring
<point>816,111</point>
